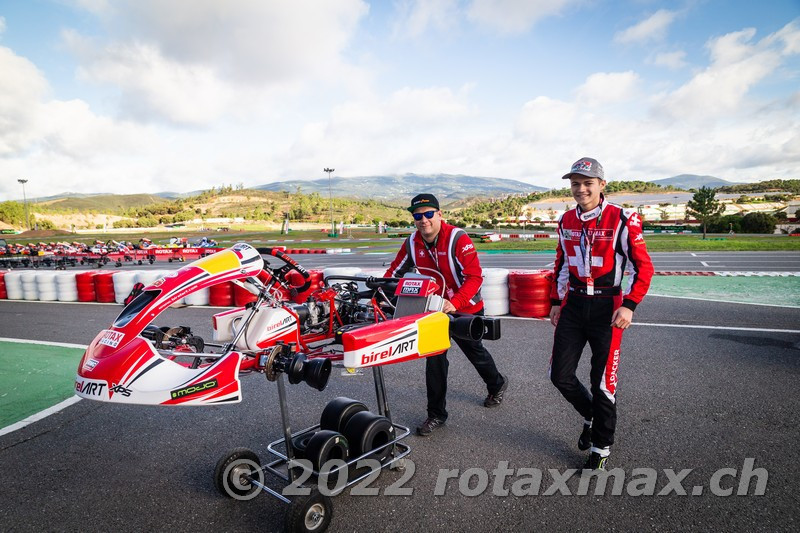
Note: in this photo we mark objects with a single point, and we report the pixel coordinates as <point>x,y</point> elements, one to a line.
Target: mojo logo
<point>88,387</point>
<point>194,389</point>
<point>119,389</point>
<point>395,350</point>
<point>111,338</point>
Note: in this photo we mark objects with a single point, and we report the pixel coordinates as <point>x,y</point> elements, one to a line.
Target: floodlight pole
<point>25,201</point>
<point>330,196</point>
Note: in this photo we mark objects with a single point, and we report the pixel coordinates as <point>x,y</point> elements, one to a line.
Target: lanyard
<point>586,243</point>
<point>433,255</point>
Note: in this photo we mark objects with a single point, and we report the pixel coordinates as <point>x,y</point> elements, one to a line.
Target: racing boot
<point>429,426</point>
<point>598,459</point>
<point>493,400</point>
<point>585,440</point>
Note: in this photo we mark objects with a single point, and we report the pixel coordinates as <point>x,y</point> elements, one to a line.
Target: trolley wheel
<point>338,412</point>
<point>231,471</point>
<point>170,260</point>
<point>81,261</point>
<point>399,465</point>
<point>309,513</point>
<point>151,261</point>
<point>118,264</point>
<point>139,262</point>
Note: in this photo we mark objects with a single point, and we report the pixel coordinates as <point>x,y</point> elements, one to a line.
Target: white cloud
<point>514,16</point>
<point>653,28</point>
<point>604,88</point>
<point>22,86</point>
<point>415,17</point>
<point>672,60</point>
<point>737,65</point>
<point>2,25</point>
<point>190,64</point>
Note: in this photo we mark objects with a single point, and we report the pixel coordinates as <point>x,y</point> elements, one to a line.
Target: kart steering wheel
<point>290,264</point>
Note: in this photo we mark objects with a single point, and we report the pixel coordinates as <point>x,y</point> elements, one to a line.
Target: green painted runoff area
<point>34,377</point>
<point>748,289</point>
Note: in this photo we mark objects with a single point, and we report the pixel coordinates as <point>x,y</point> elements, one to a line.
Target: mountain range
<point>396,188</point>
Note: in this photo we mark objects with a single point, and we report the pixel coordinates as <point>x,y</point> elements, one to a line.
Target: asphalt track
<point>703,386</point>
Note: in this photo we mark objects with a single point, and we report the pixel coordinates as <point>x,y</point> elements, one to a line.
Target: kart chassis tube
<point>400,450</point>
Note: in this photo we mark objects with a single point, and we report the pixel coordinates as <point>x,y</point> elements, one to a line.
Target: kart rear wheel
<point>232,472</point>
<point>312,513</point>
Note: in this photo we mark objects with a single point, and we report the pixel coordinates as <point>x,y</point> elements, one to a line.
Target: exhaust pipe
<point>466,327</point>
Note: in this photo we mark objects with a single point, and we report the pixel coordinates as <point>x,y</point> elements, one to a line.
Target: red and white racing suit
<point>453,255</point>
<point>594,250</point>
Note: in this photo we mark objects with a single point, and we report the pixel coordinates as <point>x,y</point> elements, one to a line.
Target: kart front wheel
<point>233,473</point>
<point>312,513</point>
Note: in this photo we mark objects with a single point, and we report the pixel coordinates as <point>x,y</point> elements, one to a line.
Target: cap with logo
<point>424,200</point>
<point>586,166</point>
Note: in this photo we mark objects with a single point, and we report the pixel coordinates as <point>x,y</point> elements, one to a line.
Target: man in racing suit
<point>597,242</point>
<point>447,250</point>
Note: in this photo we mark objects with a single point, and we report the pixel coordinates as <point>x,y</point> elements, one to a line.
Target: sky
<point>146,96</point>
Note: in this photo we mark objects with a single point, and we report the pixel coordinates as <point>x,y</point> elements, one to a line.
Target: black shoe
<point>585,440</point>
<point>596,462</point>
<point>429,426</point>
<point>493,400</point>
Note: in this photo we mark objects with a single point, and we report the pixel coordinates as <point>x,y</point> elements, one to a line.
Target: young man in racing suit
<point>448,250</point>
<point>597,242</point>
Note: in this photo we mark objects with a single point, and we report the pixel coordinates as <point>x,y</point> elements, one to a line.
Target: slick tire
<point>324,446</point>
<point>366,431</point>
<point>299,444</point>
<point>338,412</point>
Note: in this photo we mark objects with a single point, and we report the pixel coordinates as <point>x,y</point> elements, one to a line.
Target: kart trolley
<point>240,474</point>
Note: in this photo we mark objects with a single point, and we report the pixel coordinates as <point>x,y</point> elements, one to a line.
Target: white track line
<point>39,416</point>
<point>50,410</point>
<point>721,301</point>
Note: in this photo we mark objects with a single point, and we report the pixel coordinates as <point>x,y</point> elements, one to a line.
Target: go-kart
<point>352,322</point>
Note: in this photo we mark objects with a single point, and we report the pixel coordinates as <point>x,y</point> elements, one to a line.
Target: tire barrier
<point>338,412</point>
<point>3,293</point>
<point>46,286</point>
<point>242,297</point>
<point>29,289</point>
<point>85,286</point>
<point>529,292</point>
<point>104,287</point>
<point>123,284</point>
<point>325,445</point>
<point>200,297</point>
<point>13,285</point>
<point>366,431</point>
<point>495,291</point>
<point>221,295</point>
<point>66,287</point>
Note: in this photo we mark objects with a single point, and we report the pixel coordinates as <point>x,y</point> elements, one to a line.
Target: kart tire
<point>299,444</point>
<point>325,445</point>
<point>366,431</point>
<point>230,471</point>
<point>312,513</point>
<point>338,412</point>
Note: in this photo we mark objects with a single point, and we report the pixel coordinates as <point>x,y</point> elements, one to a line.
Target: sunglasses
<point>426,214</point>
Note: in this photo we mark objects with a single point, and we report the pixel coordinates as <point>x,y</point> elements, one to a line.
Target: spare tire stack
<point>3,293</point>
<point>85,286</point>
<point>30,289</point>
<point>529,291</point>
<point>242,297</point>
<point>123,284</point>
